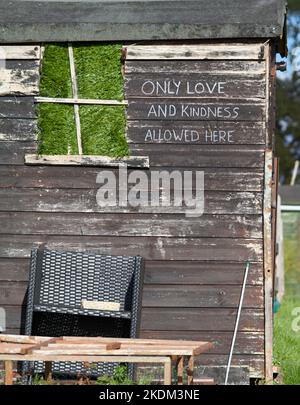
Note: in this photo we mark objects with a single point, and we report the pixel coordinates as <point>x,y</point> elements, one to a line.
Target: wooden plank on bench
<point>22,338</point>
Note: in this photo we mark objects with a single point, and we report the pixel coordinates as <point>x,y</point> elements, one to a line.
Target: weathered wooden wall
<point>196,293</point>
<point>194,266</point>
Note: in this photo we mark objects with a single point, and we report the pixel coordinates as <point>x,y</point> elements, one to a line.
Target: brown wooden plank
<point>86,160</point>
<point>18,130</point>
<point>21,51</point>
<point>197,272</point>
<point>13,293</point>
<point>209,319</point>
<point>246,343</point>
<point>254,362</point>
<point>204,110</point>
<point>201,296</point>
<point>222,51</point>
<point>195,85</point>
<point>228,67</point>
<point>200,156</point>
<point>17,107</point>
<point>168,296</point>
<point>14,270</point>
<point>19,82</point>
<point>42,344</point>
<point>232,226</point>
<point>234,179</point>
<point>15,317</point>
<point>130,341</point>
<point>13,153</point>
<point>13,348</point>
<point>61,200</point>
<point>196,133</point>
<point>26,64</point>
<point>156,248</point>
<point>30,340</point>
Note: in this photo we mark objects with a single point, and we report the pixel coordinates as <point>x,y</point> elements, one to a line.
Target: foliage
<point>286,340</point>
<point>293,4</point>
<point>288,105</point>
<point>119,377</point>
<point>99,76</point>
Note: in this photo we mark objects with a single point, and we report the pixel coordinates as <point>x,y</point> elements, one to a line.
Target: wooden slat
<point>29,52</point>
<point>85,101</point>
<point>195,133</point>
<point>254,362</point>
<point>61,200</point>
<point>156,248</point>
<point>46,356</point>
<point>14,270</point>
<point>13,153</point>
<point>233,179</point>
<point>38,345</point>
<point>201,296</point>
<point>200,273</point>
<point>228,67</point>
<point>189,109</point>
<point>14,317</point>
<point>201,156</point>
<point>221,319</point>
<point>144,351</point>
<point>132,341</point>
<point>13,293</point>
<point>86,160</point>
<point>30,340</point>
<point>194,85</point>
<point>247,342</point>
<point>18,130</point>
<point>27,223</point>
<point>17,107</point>
<point>163,272</point>
<point>22,64</point>
<point>268,267</point>
<point>165,296</point>
<point>19,82</point>
<point>204,51</point>
<point>13,348</point>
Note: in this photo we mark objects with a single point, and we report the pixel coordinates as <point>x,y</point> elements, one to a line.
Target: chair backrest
<point>67,278</point>
<point>58,283</point>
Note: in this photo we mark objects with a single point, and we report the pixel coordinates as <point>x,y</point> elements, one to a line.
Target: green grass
<point>98,69</point>
<point>286,340</point>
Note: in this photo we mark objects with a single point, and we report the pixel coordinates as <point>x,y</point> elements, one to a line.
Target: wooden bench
<point>99,349</point>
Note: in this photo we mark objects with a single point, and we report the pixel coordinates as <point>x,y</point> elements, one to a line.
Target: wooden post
<point>179,367</point>
<point>8,368</point>
<point>168,372</point>
<point>48,371</point>
<point>268,268</point>
<point>190,370</point>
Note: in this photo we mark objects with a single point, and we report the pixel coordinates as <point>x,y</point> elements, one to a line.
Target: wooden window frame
<point>81,159</point>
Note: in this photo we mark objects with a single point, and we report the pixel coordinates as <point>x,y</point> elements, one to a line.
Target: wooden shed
<point>200,85</point>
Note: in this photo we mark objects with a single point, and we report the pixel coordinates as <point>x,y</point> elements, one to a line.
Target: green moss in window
<point>98,70</point>
<point>57,133</point>
<point>102,130</point>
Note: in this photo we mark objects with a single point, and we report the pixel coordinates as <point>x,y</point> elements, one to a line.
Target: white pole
<point>237,321</point>
<point>295,173</point>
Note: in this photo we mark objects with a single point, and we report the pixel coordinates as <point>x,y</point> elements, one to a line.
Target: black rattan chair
<point>58,283</point>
